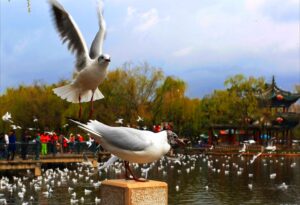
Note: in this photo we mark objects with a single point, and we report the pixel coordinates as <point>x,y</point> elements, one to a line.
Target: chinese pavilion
<point>277,127</point>
<point>282,121</point>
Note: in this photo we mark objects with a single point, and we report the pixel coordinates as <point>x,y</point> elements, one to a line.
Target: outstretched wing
<point>97,45</point>
<point>70,33</point>
<point>120,137</point>
<point>125,138</point>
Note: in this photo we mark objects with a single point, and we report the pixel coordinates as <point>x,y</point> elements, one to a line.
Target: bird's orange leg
<point>127,167</point>
<point>80,109</point>
<point>92,106</point>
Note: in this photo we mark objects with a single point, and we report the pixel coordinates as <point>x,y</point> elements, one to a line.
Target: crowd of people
<point>43,144</point>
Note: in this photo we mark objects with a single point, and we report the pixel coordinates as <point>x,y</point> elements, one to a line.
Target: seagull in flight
<point>131,145</point>
<point>91,66</point>
<point>119,121</point>
<point>7,117</point>
<point>139,119</point>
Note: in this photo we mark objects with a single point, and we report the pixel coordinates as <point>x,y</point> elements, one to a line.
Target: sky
<point>202,42</point>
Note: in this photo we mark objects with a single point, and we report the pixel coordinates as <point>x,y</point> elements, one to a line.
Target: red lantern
<point>279,97</point>
<point>279,119</point>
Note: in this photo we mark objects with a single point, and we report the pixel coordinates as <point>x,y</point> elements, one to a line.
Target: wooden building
<point>278,127</point>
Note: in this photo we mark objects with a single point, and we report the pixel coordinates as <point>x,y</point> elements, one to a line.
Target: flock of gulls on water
<point>82,184</point>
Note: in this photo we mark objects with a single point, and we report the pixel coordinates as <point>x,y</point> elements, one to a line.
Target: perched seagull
<point>7,117</point>
<point>271,148</point>
<point>243,149</point>
<point>91,66</point>
<point>129,144</point>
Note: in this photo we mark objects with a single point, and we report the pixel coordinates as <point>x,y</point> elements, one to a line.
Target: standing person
<point>37,146</point>
<point>44,141</point>
<point>77,144</point>
<point>60,143</point>
<point>71,142</point>
<point>79,140</point>
<point>2,145</point>
<point>54,139</point>
<point>65,144</point>
<point>24,147</point>
<point>6,141</point>
<point>12,145</point>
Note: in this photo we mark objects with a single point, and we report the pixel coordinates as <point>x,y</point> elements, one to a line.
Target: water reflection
<point>199,179</point>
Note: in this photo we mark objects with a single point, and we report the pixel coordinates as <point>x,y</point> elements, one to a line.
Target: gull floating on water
<point>283,186</point>
<point>91,66</point>
<point>87,192</point>
<point>250,186</point>
<point>97,200</point>
<point>273,176</point>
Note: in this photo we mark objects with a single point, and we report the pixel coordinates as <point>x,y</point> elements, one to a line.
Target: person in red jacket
<point>65,144</point>
<point>44,140</point>
<point>78,141</point>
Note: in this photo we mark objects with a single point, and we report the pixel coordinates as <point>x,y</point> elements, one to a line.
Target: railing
<point>29,149</point>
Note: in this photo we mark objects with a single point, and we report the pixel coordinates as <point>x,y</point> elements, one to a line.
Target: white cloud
<point>20,46</point>
<point>143,21</point>
<point>254,5</point>
<point>183,52</point>
<point>148,19</point>
<point>130,11</point>
<point>258,37</point>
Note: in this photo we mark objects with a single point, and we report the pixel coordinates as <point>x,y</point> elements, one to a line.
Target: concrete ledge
<point>130,192</point>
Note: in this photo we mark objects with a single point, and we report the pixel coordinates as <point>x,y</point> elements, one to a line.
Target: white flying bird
<point>91,66</point>
<point>139,119</point>
<point>14,127</point>
<point>7,117</point>
<point>35,119</point>
<point>119,121</point>
<point>129,144</point>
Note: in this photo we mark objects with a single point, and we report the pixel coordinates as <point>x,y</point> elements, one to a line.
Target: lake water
<point>195,180</point>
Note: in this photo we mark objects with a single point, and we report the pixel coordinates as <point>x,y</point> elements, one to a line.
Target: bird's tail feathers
<point>98,95</point>
<point>68,92</point>
<point>88,128</point>
<point>97,126</point>
<point>71,94</point>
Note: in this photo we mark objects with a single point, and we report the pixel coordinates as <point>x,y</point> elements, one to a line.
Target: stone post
<point>130,192</point>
